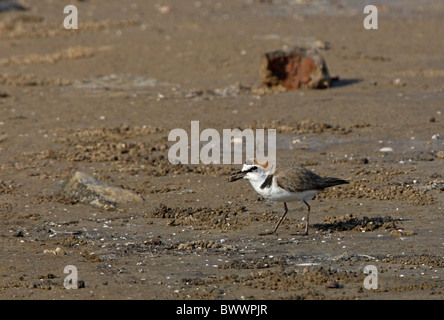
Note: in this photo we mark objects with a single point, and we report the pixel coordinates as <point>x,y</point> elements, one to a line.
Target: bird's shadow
<point>359,224</point>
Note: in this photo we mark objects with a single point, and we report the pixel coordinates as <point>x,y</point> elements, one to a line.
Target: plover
<point>287,183</point>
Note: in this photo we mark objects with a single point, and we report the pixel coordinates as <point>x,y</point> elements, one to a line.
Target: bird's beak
<point>236,176</point>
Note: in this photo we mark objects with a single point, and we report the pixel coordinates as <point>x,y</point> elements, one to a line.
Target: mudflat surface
<point>102,100</point>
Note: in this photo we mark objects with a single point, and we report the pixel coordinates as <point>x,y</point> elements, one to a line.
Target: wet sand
<point>102,100</point>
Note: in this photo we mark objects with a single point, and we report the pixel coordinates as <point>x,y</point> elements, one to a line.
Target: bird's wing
<point>298,179</point>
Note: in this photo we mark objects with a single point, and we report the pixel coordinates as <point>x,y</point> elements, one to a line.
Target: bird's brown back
<point>295,178</point>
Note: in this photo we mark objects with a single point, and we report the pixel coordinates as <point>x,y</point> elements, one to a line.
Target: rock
<point>89,190</point>
<point>399,232</point>
<point>386,149</point>
<point>164,9</point>
<point>395,233</point>
<point>80,284</point>
<point>333,285</point>
<point>18,234</point>
<point>295,68</point>
<point>398,83</point>
<point>57,251</point>
<point>440,154</point>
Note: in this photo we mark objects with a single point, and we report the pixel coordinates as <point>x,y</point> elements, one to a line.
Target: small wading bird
<point>288,183</point>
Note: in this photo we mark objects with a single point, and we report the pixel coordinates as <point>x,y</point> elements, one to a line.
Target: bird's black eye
<point>254,168</point>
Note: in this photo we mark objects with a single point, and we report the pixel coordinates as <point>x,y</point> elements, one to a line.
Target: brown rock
<point>294,69</point>
<point>399,232</point>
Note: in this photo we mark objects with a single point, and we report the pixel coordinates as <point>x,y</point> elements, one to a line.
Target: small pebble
<point>386,149</point>
<point>333,285</point>
<point>18,234</point>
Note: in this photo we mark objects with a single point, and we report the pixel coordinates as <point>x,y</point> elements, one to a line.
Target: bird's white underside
<point>276,193</point>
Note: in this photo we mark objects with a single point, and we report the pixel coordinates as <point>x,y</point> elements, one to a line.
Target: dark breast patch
<point>268,181</point>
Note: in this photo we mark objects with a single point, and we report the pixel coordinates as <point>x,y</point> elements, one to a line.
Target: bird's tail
<point>330,182</point>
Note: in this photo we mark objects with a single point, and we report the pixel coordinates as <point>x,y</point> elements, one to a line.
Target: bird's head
<point>252,170</point>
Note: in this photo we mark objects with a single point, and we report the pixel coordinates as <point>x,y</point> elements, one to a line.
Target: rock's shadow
<point>338,83</point>
<point>10,5</point>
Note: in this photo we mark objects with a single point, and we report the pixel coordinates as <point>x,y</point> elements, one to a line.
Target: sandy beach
<point>102,99</point>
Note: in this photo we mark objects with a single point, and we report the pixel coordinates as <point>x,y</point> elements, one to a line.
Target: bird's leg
<point>308,218</point>
<point>306,221</point>
<point>277,225</point>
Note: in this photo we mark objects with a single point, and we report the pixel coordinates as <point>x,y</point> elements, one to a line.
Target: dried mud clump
<point>72,53</point>
<point>7,187</point>
<point>259,263</point>
<point>153,245</point>
<point>223,218</point>
<point>201,245</point>
<point>105,144</point>
<point>115,133</point>
<point>348,223</point>
<point>310,283</point>
<point>404,193</point>
<point>19,79</point>
<point>6,207</point>
<point>429,260</point>
<point>32,27</point>
<point>301,127</point>
<point>300,279</point>
<point>71,241</point>
<point>130,149</point>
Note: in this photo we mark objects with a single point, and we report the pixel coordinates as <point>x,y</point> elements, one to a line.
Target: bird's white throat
<point>257,182</point>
